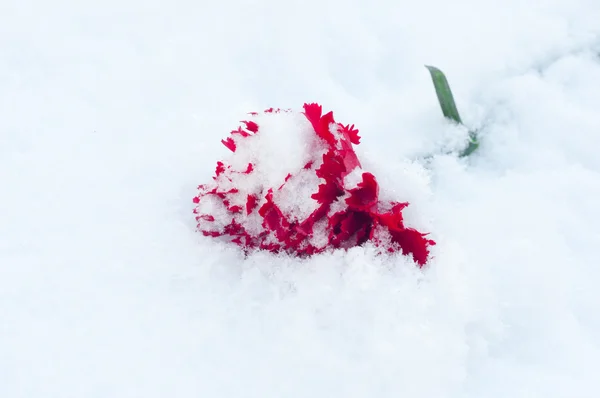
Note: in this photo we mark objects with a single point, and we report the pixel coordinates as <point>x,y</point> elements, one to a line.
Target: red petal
<point>241,132</point>
<point>307,225</point>
<point>351,133</point>
<point>234,228</point>
<point>320,123</point>
<point>349,157</point>
<point>220,168</point>
<point>327,193</point>
<point>284,181</point>
<point>323,129</point>
<point>273,218</point>
<point>393,218</point>
<point>413,242</point>
<point>251,203</point>
<point>364,197</point>
<point>350,224</point>
<point>332,167</point>
<point>313,114</point>
<point>235,209</point>
<point>214,234</point>
<point>272,247</point>
<point>229,143</point>
<point>251,126</point>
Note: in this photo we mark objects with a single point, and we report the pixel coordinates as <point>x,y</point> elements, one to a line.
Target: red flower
<point>350,215</point>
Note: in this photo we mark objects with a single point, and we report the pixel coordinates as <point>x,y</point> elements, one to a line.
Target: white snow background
<point>112,112</point>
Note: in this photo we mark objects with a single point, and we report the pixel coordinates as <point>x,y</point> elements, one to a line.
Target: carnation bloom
<point>294,184</point>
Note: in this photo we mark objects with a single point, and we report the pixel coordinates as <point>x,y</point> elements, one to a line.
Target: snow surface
<point>112,112</point>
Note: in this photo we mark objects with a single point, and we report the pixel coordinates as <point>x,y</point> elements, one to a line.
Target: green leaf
<point>473,145</point>
<point>446,100</point>
<point>444,94</point>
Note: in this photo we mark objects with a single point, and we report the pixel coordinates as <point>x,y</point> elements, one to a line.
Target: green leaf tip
<point>448,105</point>
<point>444,94</point>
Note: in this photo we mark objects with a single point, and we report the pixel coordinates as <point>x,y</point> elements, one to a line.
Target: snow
<point>295,195</point>
<point>111,114</point>
<point>282,146</point>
